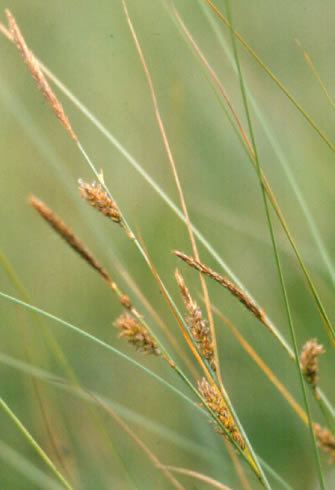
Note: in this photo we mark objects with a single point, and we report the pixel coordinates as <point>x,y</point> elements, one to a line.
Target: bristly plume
<point>216,403</point>
<point>67,234</point>
<point>136,334</point>
<point>36,72</point>
<point>310,362</point>
<point>197,325</point>
<point>326,441</point>
<point>98,198</point>
<point>226,283</point>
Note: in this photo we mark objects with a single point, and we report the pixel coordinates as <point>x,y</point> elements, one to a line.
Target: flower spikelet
<point>326,441</point>
<point>241,295</point>
<point>309,361</point>
<point>136,334</point>
<point>216,403</point>
<point>197,325</point>
<point>38,75</point>
<point>98,198</point>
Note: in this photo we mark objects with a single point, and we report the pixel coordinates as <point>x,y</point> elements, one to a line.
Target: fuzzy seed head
<point>67,234</point>
<point>241,295</point>
<point>326,441</point>
<point>38,75</point>
<point>216,403</point>
<point>98,198</point>
<point>126,301</point>
<point>197,325</point>
<point>136,334</point>
<point>309,361</point>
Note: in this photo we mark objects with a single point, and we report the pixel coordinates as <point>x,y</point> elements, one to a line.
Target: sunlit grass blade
<point>197,476</point>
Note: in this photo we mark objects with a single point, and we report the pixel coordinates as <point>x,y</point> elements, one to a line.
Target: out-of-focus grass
<point>89,47</point>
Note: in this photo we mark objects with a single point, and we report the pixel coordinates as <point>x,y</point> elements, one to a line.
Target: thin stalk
<point>315,232</point>
<point>139,442</point>
<point>26,434</point>
<point>59,355</point>
<point>269,72</point>
<point>175,174</point>
<point>274,244</point>
<point>197,476</point>
<point>30,355</point>
<point>317,75</point>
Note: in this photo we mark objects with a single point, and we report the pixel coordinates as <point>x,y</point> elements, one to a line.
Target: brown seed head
<point>216,403</point>
<point>36,72</point>
<point>326,441</point>
<point>309,361</point>
<point>136,334</point>
<point>241,295</point>
<point>67,234</point>
<point>126,302</point>
<point>197,325</point>
<point>98,198</point>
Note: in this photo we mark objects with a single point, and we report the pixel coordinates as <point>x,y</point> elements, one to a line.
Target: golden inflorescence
<point>197,325</point>
<point>98,198</point>
<point>217,405</point>
<point>136,334</point>
<point>309,361</point>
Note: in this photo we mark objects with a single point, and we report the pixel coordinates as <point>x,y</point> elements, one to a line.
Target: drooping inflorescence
<point>241,295</point>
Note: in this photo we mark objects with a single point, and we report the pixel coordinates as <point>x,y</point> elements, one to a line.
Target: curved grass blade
<point>94,339</point>
<point>26,434</point>
<point>197,476</point>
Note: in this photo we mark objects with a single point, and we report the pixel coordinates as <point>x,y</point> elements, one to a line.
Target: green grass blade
<point>26,434</point>
<point>275,250</point>
<point>278,150</point>
<point>94,339</point>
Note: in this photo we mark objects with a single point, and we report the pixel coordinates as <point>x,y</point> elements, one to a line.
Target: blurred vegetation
<point>89,47</point>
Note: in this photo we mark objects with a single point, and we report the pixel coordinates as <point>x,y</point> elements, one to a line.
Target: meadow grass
<point>186,359</point>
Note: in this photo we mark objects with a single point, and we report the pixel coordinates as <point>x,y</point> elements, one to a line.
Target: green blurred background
<point>89,47</point>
